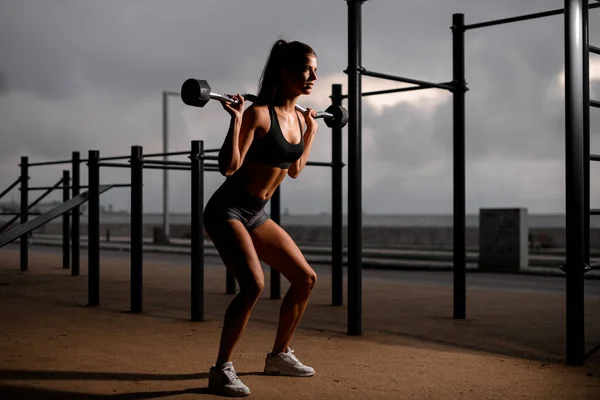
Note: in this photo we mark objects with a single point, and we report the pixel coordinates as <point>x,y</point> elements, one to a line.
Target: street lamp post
<point>166,230</point>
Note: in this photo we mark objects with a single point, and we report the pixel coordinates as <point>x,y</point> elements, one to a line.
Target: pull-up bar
<point>523,17</point>
<point>420,84</point>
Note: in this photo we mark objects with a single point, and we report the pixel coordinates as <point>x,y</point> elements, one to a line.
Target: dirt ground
<point>54,346</point>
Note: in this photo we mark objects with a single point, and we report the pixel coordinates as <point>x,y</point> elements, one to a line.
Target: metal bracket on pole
<point>459,86</point>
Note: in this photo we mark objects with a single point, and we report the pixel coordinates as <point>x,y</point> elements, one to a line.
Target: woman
<point>264,143</point>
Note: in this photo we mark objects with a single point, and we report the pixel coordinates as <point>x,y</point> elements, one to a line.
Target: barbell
<point>197,92</point>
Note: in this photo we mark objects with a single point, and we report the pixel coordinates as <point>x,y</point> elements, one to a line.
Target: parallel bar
<point>137,229</point>
<point>113,165</point>
<point>168,162</point>
<point>166,167</point>
<point>337,245</point>
<point>75,227</point>
<point>113,185</point>
<point>65,222</point>
<point>60,186</point>
<point>23,214</point>
<point>574,32</point>
<point>523,17</point>
<point>422,84</point>
<point>197,208</point>
<point>594,49</point>
<point>355,322</point>
<point>170,153</point>
<point>594,103</point>
<point>276,217</point>
<point>212,150</point>
<point>11,187</point>
<point>459,175</point>
<point>214,158</point>
<point>397,90</point>
<point>595,211</point>
<point>18,214</point>
<point>38,188</point>
<point>594,157</point>
<point>175,167</point>
<point>37,164</point>
<point>93,228</point>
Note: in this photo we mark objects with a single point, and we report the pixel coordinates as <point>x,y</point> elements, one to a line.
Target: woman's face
<point>302,80</point>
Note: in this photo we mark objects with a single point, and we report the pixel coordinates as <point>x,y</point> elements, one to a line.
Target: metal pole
<point>66,179</point>
<point>337,224</point>
<point>137,229</point>
<point>586,140</point>
<point>459,196</point>
<point>354,170</point>
<point>276,217</point>
<point>93,228</point>
<point>75,166</point>
<point>575,11</point>
<point>166,223</point>
<point>24,211</point>
<point>197,273</point>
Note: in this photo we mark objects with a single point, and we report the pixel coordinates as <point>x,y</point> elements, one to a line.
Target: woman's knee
<point>252,288</point>
<point>307,280</point>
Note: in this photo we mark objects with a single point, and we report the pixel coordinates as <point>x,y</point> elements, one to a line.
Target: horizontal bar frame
<point>423,84</point>
<point>167,163</point>
<point>397,90</point>
<point>595,103</point>
<point>37,164</point>
<point>523,17</point>
<point>114,158</point>
<point>19,214</point>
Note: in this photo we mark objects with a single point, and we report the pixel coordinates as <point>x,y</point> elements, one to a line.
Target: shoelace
<point>292,357</point>
<point>230,374</point>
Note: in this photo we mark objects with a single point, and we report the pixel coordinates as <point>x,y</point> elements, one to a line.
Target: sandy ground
<point>54,346</point>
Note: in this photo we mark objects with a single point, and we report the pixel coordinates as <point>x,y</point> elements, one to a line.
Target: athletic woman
<point>264,143</point>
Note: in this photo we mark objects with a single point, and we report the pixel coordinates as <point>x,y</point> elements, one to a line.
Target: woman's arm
<point>237,142</point>
<point>309,137</point>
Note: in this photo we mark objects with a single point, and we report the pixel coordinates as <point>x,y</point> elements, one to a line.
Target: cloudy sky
<point>77,75</point>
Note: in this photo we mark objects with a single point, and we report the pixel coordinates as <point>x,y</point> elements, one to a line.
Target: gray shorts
<point>232,201</point>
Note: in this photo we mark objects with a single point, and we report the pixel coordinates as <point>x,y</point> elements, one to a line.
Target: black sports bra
<point>273,148</point>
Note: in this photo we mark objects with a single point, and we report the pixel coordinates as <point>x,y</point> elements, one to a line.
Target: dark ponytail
<point>284,54</point>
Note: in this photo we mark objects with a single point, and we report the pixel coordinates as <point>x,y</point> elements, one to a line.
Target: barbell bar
<point>197,92</point>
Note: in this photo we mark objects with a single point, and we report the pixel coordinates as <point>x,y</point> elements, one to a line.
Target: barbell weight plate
<point>195,92</point>
<point>339,119</point>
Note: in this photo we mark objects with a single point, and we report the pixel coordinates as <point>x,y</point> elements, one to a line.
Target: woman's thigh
<point>276,248</point>
<point>236,248</point>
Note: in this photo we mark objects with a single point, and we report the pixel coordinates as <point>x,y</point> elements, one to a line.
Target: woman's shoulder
<point>258,113</point>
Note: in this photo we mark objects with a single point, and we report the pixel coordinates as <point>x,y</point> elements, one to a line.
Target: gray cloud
<point>89,75</point>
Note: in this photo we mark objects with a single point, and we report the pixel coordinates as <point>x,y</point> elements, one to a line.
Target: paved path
<point>52,346</point>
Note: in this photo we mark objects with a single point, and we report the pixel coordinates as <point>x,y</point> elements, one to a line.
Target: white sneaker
<point>224,381</point>
<point>286,364</point>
